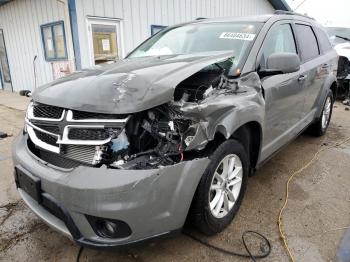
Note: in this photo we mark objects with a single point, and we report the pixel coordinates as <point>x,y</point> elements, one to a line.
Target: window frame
<point>277,23</point>
<point>319,31</point>
<point>51,25</point>
<point>302,61</point>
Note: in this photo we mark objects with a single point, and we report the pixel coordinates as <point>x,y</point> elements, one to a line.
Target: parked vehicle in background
<point>340,38</point>
<point>126,152</point>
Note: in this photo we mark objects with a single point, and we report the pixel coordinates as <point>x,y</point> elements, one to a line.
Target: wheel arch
<point>250,135</point>
<point>329,84</point>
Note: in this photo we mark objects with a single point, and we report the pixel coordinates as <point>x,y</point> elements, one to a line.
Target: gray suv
<point>126,152</point>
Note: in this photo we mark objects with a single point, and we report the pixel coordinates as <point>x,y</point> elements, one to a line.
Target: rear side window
<point>279,39</point>
<point>307,41</point>
<point>323,40</point>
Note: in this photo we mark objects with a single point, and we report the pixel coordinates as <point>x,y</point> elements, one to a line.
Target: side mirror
<point>281,63</point>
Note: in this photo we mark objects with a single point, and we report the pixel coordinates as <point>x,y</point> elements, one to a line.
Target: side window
<point>307,41</point>
<point>156,28</point>
<point>323,40</point>
<point>280,39</point>
<point>54,41</point>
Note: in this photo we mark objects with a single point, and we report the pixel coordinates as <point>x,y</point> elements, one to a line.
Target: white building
<point>41,40</point>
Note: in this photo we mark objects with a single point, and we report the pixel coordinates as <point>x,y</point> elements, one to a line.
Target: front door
<point>5,76</point>
<point>284,99</point>
<point>105,41</point>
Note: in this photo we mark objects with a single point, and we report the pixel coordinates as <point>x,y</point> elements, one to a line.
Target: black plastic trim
<point>124,229</point>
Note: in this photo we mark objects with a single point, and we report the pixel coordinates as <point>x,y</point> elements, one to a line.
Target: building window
<point>54,41</point>
<point>156,28</point>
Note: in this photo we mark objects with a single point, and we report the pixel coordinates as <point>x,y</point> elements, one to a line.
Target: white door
<point>105,40</point>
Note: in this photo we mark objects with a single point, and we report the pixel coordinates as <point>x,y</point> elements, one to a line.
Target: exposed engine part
<point>120,143</point>
<point>151,138</point>
<point>202,84</point>
<point>99,154</point>
<point>343,76</point>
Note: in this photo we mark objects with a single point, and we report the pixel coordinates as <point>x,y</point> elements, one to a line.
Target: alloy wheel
<point>326,112</point>
<point>225,186</point>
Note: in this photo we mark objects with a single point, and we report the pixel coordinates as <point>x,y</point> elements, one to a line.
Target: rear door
<point>283,94</point>
<point>313,67</point>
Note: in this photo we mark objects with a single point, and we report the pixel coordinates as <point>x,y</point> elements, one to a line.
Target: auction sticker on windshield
<point>239,36</point>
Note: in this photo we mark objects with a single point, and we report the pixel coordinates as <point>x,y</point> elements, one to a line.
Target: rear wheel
<point>319,128</point>
<point>221,189</point>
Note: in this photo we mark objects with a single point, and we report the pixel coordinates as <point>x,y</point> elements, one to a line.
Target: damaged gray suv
<point>129,151</point>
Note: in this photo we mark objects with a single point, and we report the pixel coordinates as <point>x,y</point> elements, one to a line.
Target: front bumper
<point>152,202</point>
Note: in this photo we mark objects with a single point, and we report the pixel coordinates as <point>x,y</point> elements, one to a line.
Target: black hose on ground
<point>265,251</point>
<point>79,253</point>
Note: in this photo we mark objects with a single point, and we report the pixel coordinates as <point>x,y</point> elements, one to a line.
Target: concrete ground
<point>315,219</point>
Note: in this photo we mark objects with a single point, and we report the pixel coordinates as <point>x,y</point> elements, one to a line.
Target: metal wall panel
<point>138,15</point>
<point>21,20</point>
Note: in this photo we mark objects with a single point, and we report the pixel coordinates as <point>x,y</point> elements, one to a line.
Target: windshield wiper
<point>342,37</point>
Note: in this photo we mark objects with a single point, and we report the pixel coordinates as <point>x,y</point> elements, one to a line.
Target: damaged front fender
<point>226,110</point>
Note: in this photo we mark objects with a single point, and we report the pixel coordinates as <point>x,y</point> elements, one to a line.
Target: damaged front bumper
<point>152,202</point>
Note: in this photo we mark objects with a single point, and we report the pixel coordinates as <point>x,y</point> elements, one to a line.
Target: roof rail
<point>282,12</point>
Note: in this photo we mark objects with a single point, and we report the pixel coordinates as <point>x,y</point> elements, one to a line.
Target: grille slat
<point>52,129</point>
<point>88,134</point>
<point>80,115</point>
<point>51,140</point>
<point>46,111</point>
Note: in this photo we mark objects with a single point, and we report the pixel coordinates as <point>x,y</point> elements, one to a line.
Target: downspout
<point>72,30</point>
<point>75,36</point>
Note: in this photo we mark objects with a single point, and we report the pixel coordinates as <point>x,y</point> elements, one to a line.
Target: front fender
<point>225,112</point>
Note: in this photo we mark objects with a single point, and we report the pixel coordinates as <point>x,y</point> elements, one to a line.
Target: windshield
<point>198,38</point>
<point>334,32</point>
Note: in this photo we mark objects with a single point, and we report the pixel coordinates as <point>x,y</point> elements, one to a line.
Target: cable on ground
<point>266,249</point>
<point>79,253</point>
<point>294,174</point>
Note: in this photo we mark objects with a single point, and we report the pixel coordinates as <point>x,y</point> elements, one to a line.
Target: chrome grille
<point>72,134</point>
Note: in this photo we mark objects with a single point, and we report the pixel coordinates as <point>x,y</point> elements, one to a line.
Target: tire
<point>319,127</point>
<point>202,216</point>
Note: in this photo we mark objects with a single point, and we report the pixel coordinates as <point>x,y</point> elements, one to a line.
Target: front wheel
<point>221,189</point>
<point>319,128</point>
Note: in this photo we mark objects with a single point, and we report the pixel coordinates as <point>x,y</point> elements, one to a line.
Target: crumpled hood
<point>128,86</point>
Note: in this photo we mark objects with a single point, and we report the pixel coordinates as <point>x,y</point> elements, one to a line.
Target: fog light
<point>109,228</point>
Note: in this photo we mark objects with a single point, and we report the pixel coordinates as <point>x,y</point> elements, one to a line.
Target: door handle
<point>302,78</point>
